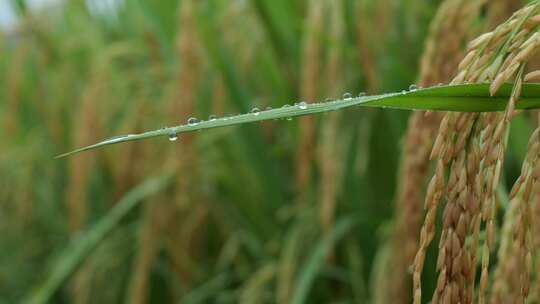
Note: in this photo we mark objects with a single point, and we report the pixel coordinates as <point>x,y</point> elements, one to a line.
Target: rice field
<point>307,151</point>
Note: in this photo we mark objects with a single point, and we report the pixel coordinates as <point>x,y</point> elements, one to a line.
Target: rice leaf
<point>459,98</point>
<point>207,290</point>
<point>73,256</point>
<point>315,262</point>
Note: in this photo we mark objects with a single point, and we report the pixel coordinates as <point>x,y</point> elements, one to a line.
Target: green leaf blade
<point>458,98</point>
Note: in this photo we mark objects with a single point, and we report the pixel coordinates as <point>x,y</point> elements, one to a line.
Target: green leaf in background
<point>460,98</point>
<point>316,261</point>
<point>82,247</point>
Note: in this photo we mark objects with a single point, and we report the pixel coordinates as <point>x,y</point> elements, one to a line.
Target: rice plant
<point>311,151</point>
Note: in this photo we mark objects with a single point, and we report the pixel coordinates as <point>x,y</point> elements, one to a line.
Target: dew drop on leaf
<point>255,111</point>
<point>193,121</point>
<point>173,136</point>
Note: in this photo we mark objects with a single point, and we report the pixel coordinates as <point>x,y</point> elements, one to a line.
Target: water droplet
<point>328,99</point>
<point>268,108</point>
<point>255,111</point>
<point>347,95</point>
<point>286,106</point>
<point>289,118</point>
<point>362,94</point>
<point>212,117</point>
<point>404,92</point>
<point>193,121</point>
<point>440,84</point>
<point>413,87</point>
<point>173,136</point>
<point>302,105</point>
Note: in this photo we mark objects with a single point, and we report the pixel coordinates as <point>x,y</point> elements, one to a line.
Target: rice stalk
<point>309,91</point>
<point>184,242</point>
<point>147,250</point>
<point>372,14</point>
<point>185,98</point>
<point>287,269</point>
<point>14,81</point>
<point>184,158</point>
<point>162,214</point>
<point>357,281</point>
<point>329,147</point>
<point>88,127</point>
<point>124,174</point>
<point>219,98</point>
<point>254,291</point>
<point>120,161</point>
<point>11,119</point>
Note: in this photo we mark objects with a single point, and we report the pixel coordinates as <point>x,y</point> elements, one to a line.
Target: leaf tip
<point>63,155</point>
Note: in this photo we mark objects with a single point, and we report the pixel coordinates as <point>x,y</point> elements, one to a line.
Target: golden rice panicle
<point>435,191</point>
<point>498,11</point>
<point>513,273</point>
<point>505,67</point>
<point>449,31</point>
<point>454,261</point>
<point>454,131</point>
<point>474,207</point>
<point>535,231</point>
<point>495,127</point>
<point>451,27</point>
<point>533,76</point>
<point>489,56</point>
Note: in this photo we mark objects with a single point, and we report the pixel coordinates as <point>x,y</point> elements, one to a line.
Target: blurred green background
<point>280,212</point>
